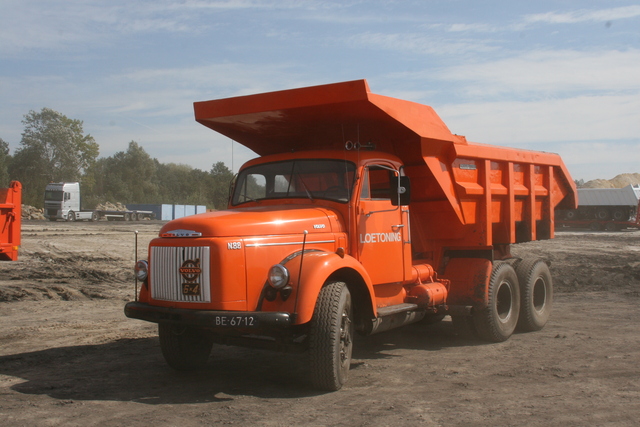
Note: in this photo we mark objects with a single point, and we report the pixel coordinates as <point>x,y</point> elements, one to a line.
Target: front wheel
<point>184,348</point>
<point>331,337</point>
<point>71,216</point>
<point>498,320</point>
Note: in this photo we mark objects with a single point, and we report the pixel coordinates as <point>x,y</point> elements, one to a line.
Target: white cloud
<point>540,73</point>
<point>599,160</point>
<point>596,136</point>
<point>418,43</point>
<point>31,26</point>
<point>585,15</point>
<point>582,118</point>
<point>478,28</point>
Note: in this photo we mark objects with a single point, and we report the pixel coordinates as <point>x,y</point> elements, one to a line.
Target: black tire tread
<point>485,320</point>
<point>324,337</point>
<point>529,319</point>
<point>185,351</point>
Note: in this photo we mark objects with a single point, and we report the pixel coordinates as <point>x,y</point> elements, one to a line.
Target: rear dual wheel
<point>498,320</point>
<point>536,294</point>
<point>620,215</point>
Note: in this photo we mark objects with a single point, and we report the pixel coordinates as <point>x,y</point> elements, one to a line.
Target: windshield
<point>309,179</point>
<point>53,195</point>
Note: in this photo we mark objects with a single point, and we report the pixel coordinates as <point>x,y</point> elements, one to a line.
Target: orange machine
<point>363,213</point>
<point>10,218</point>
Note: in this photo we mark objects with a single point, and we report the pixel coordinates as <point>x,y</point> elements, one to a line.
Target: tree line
<point>54,148</point>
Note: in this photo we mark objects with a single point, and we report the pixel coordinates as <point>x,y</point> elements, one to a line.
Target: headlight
<point>142,270</point>
<point>278,276</point>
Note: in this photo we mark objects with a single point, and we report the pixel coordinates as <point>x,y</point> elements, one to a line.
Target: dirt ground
<point>69,356</point>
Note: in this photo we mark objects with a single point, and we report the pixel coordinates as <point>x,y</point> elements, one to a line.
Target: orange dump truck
<point>10,218</point>
<point>363,213</point>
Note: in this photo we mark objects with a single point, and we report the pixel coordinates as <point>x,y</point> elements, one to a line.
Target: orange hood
<point>258,221</point>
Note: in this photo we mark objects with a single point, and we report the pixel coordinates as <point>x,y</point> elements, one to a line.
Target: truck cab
<point>61,201</point>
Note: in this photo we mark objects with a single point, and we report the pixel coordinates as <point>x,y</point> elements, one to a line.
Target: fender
<point>317,267</point>
<point>469,281</point>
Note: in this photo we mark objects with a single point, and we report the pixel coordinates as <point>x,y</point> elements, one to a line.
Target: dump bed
<point>10,219</point>
<point>463,193</point>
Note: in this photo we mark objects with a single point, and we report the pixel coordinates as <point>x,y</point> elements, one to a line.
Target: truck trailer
<point>609,209</point>
<point>62,202</point>
<point>363,213</point>
<point>10,221</point>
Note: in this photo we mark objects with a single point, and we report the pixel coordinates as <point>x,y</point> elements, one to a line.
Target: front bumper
<point>229,320</point>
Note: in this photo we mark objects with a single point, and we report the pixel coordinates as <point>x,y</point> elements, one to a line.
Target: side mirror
<point>402,194</point>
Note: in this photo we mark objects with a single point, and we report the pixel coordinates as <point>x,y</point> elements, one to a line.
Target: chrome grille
<point>167,280</point>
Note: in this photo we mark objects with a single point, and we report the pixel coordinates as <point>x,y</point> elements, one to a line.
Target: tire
<point>126,216</point>
<point>184,348</point>
<point>611,226</point>
<point>331,337</point>
<point>498,320</point>
<point>71,216</point>
<point>536,294</point>
<point>571,214</point>
<point>94,216</point>
<point>595,226</point>
<point>620,215</point>
<point>603,214</point>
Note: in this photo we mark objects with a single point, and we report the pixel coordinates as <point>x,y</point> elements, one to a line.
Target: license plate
<point>236,321</point>
<point>191,289</point>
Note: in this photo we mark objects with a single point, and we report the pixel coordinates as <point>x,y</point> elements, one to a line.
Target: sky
<point>561,76</point>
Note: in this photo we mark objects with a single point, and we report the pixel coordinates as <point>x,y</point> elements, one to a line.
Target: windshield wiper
<point>305,188</point>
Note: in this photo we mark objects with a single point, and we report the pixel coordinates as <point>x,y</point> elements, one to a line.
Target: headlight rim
<point>141,270</point>
<point>278,276</point>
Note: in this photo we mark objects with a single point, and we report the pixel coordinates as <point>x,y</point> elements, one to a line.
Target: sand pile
<point>620,181</point>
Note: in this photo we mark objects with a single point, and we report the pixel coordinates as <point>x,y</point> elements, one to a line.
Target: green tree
<point>175,182</point>
<point>5,158</point>
<point>221,177</point>
<point>128,176</point>
<point>53,148</point>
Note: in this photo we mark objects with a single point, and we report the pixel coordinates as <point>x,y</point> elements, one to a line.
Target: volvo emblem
<point>190,271</point>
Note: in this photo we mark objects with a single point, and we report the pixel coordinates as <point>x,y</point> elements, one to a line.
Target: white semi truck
<point>62,202</point>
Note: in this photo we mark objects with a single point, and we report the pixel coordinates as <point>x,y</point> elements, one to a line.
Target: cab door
<point>382,228</point>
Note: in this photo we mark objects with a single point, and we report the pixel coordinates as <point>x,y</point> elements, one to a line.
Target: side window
<point>377,183</point>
